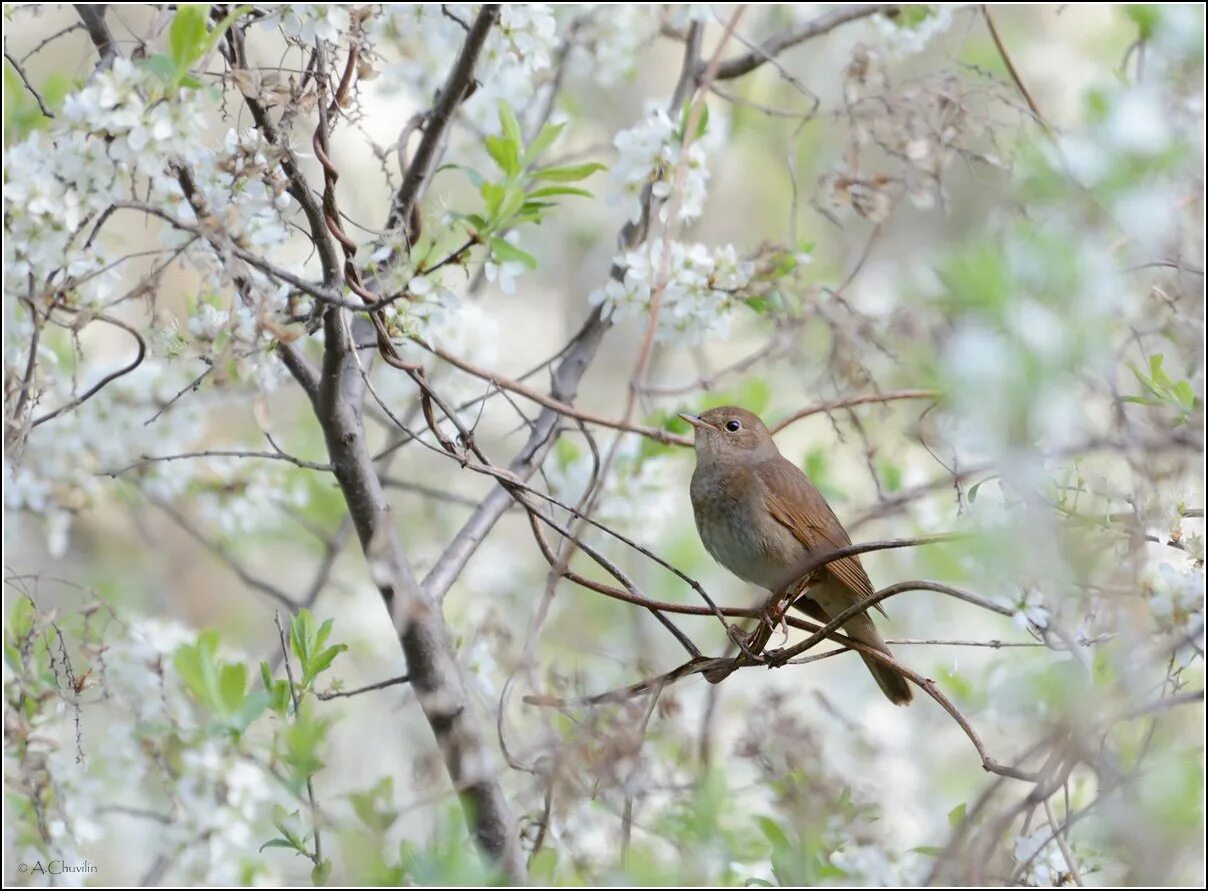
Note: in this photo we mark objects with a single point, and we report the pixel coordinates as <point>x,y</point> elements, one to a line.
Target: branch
<point>46,112</point>
<point>222,554</point>
<point>93,17</point>
<point>380,685</point>
<point>278,455</point>
<point>1006,59</point>
<point>460,79</point>
<point>847,402</point>
<point>723,666</point>
<point>772,47</point>
<point>107,379</point>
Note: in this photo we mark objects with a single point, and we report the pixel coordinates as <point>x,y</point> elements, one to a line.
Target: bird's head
<point>730,431</point>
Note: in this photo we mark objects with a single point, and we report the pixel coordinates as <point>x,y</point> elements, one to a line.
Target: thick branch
<point>460,79</point>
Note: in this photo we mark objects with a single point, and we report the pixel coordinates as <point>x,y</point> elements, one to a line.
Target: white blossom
<point>703,288</point>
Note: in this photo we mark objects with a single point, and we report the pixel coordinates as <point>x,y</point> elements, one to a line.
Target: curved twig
<point>107,379</point>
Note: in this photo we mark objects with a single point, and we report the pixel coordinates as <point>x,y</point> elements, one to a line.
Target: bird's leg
<point>743,640</point>
<point>752,644</point>
<point>793,595</point>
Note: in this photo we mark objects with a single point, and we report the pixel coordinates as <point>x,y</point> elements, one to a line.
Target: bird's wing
<point>793,502</point>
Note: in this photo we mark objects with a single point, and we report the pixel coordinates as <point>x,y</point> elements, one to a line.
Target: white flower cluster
<point>426,38</point>
<point>217,803</point>
<point>227,806</point>
<point>1176,601</point>
<point>702,289</point>
<point>607,38</point>
<point>651,153</point>
<point>1029,609</point>
<point>59,473</point>
<point>246,496</point>
<point>306,21</point>
<point>641,493</point>
<point>1046,865</point>
<point>119,138</point>
<point>906,34</point>
<point>57,180</point>
<point>431,301</point>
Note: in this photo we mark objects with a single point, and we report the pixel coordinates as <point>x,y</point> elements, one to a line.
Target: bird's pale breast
<point>739,533</point>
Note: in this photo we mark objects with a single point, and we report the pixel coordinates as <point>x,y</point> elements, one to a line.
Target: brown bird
<point>760,517</point>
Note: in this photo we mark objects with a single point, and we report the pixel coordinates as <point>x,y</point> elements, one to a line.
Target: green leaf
<point>322,871</point>
<point>161,66</point>
<point>892,474</point>
<point>973,490</point>
<point>549,133</point>
<point>702,121</point>
<point>492,195</point>
<point>324,633</point>
<point>551,191</point>
<point>302,635</point>
<point>233,686</point>
<point>511,126</point>
<point>773,833</point>
<point>569,173</point>
<point>21,618</point>
<point>505,153</point>
<point>928,850</point>
<point>471,174</point>
<point>198,668</point>
<point>956,816</point>
<point>1184,393</point>
<point>277,843</point>
<point>512,201</point>
<point>221,27</point>
<point>506,251</point>
<point>542,865</point>
<point>321,662</point>
<point>373,808</point>
<point>1156,372</point>
<point>187,34</point>
<point>1144,16</point>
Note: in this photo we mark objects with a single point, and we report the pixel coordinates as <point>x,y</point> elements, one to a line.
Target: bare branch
<point>25,80</point>
<point>107,379</point>
<point>769,49</point>
<point>380,685</point>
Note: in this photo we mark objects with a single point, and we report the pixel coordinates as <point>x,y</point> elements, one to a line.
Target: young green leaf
<point>187,34</point>
<point>549,133</point>
<point>509,124</point>
<point>552,191</point>
<point>506,251</point>
<point>505,153</point>
<point>569,173</point>
<point>956,816</point>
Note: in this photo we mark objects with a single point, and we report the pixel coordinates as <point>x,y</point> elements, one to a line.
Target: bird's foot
<point>742,640</point>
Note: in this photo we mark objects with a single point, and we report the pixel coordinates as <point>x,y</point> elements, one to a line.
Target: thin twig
<point>369,688</point>
<point>25,80</point>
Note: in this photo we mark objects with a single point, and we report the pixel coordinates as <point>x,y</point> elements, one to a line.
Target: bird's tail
<point>892,684</point>
<point>830,599</point>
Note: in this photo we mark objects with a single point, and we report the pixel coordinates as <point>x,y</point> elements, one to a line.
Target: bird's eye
<point>734,425</point>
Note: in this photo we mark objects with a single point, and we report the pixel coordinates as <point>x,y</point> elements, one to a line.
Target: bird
<point>761,518</point>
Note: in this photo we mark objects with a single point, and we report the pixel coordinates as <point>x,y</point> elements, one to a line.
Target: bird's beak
<point>694,420</point>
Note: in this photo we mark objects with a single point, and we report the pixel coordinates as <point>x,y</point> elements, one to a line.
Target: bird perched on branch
<point>760,517</point>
